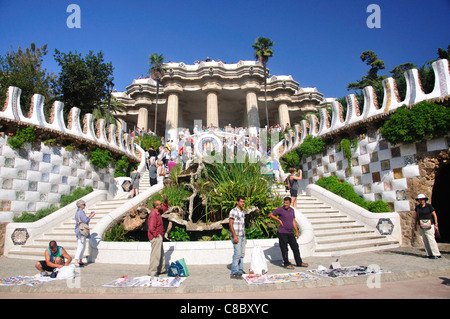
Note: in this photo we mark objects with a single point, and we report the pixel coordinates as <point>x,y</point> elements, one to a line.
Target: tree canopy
<point>82,81</point>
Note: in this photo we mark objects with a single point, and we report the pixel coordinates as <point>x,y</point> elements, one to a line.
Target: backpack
<point>287,183</point>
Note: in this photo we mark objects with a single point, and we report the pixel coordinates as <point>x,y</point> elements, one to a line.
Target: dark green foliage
<point>346,191</point>
<point>311,145</point>
<point>123,167</point>
<point>100,158</point>
<point>22,136</point>
<point>424,120</point>
<point>65,200</point>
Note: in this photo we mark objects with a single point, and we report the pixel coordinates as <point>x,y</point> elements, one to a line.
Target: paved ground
<point>412,276</point>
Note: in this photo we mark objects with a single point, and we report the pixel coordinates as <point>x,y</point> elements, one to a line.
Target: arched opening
<point>440,200</point>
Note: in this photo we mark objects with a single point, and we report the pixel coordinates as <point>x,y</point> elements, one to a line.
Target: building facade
<point>217,94</point>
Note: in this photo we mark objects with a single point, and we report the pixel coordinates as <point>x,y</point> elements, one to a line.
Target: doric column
<point>252,109</point>
<point>283,114</point>
<point>212,109</point>
<point>142,121</point>
<point>172,116</point>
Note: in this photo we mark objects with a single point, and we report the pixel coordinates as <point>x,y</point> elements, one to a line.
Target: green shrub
<point>424,120</point>
<point>176,195</point>
<point>123,167</point>
<point>22,136</point>
<point>179,234</point>
<point>100,158</point>
<point>77,194</point>
<point>347,152</point>
<point>65,200</point>
<point>345,190</point>
<point>311,145</point>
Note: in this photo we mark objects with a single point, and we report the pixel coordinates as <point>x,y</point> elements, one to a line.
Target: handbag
<point>84,229</point>
<point>178,269</point>
<point>425,223</point>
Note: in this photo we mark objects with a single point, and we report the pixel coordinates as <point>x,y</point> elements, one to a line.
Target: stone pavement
<point>213,281</point>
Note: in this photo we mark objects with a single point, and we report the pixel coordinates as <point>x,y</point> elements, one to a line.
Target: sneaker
<point>44,274</point>
<point>236,276</point>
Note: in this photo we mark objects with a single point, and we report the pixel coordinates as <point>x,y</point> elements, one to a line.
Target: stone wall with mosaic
<point>379,170</point>
<point>35,177</point>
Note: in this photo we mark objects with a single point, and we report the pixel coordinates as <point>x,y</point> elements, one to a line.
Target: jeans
<point>237,265</point>
<point>290,239</point>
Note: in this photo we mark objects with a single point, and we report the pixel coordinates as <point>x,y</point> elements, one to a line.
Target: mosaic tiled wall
<point>36,177</point>
<point>379,170</point>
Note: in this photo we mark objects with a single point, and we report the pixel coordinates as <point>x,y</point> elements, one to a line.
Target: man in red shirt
<point>155,235</point>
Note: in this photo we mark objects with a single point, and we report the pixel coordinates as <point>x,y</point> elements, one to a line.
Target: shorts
<point>293,192</point>
<point>45,266</point>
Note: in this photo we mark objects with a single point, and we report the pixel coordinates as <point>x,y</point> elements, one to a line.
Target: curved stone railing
<point>99,134</point>
<point>371,109</point>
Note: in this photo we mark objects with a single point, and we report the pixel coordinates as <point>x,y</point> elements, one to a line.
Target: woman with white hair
<point>426,219</point>
<point>80,219</point>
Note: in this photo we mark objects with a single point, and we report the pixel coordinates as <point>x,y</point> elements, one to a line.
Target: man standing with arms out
<point>155,235</point>
<point>237,228</point>
<point>285,216</point>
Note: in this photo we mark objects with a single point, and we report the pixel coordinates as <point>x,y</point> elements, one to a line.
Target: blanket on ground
<point>146,281</point>
<point>277,278</point>
<point>352,271</point>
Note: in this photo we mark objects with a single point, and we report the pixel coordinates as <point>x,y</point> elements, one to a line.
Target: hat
<point>421,196</point>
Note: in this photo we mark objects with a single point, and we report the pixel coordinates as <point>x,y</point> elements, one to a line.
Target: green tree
<point>23,68</point>
<point>82,82</point>
<point>156,69</point>
<point>263,51</point>
<point>371,79</point>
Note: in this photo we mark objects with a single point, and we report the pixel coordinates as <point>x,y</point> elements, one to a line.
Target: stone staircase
<point>337,233</point>
<point>64,234</point>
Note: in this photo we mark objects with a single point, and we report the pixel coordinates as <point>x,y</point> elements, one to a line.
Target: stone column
<point>172,117</point>
<point>212,109</point>
<point>283,114</point>
<point>142,121</point>
<point>252,110</point>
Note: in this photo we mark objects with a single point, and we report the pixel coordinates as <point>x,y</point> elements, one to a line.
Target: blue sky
<point>317,42</point>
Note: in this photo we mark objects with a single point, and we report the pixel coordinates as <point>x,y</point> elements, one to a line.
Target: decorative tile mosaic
<point>20,195</point>
<point>383,145</point>
<point>34,166</point>
<point>20,236</point>
<point>22,174</point>
<point>400,194</point>
<point>395,152</point>
<point>44,177</point>
<point>47,158</point>
<point>357,180</point>
<point>387,186</point>
<point>362,150</point>
<point>374,157</point>
<point>355,161</point>
<point>398,173</point>
<point>332,158</point>
<point>365,169</point>
<point>421,147</point>
<point>55,169</point>
<point>5,205</point>
<point>55,188</point>
<point>43,197</point>
<point>64,179</point>
<point>9,162</point>
<point>385,226</point>
<point>409,160</point>
<point>7,183</point>
<point>376,177</point>
<point>32,186</point>
<point>385,165</point>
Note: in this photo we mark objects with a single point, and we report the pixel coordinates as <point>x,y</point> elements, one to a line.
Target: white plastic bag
<point>66,272</point>
<point>259,262</point>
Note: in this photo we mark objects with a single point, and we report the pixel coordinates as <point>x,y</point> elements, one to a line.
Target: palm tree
<point>263,52</point>
<point>156,70</point>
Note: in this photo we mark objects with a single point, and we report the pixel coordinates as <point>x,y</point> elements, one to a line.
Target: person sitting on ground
<point>55,257</point>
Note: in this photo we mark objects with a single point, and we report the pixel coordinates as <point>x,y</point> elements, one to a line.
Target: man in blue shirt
<point>285,216</point>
